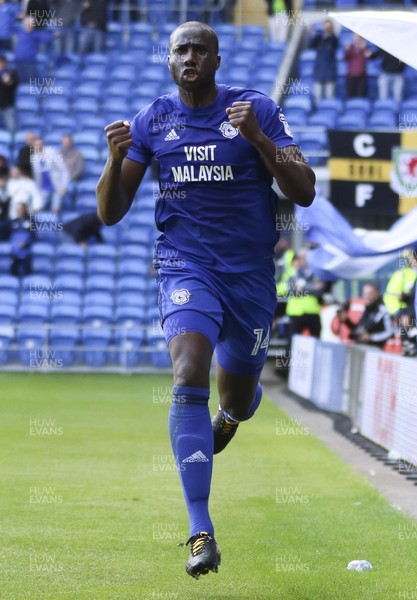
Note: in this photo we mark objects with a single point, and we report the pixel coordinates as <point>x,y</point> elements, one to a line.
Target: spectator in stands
<point>50,174</point>
<point>73,158</point>
<point>8,84</point>
<point>93,21</point>
<point>24,158</point>
<point>67,14</point>
<point>303,293</point>
<point>278,11</point>
<point>374,326</point>
<point>325,73</point>
<point>21,238</point>
<point>28,40</point>
<point>84,229</point>
<point>74,161</point>
<point>4,166</point>
<point>22,189</point>
<point>391,78</point>
<point>4,207</point>
<point>356,56</point>
<point>8,14</point>
<point>399,300</point>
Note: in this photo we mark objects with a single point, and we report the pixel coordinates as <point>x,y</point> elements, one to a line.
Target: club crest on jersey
<point>180,296</point>
<point>228,130</point>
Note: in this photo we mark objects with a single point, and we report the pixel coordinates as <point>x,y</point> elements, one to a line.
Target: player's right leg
<point>185,301</point>
<point>192,439</point>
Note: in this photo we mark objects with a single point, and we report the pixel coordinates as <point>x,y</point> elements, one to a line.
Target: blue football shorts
<point>233,310</point>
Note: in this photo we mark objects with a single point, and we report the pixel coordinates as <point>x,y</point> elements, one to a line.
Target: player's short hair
<point>209,30</point>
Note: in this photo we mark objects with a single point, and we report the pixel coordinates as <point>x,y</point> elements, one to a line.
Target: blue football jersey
<point>216,206</point>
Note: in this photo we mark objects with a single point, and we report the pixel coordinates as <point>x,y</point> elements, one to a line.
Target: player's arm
<point>294,177</point>
<point>121,176</point>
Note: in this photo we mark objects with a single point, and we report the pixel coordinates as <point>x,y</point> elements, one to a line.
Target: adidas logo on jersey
<point>196,457</point>
<point>172,135</point>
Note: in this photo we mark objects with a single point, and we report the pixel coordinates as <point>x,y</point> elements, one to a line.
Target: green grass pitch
<point>91,506</point>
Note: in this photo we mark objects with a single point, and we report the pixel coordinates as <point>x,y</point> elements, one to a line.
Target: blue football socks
<point>191,436</point>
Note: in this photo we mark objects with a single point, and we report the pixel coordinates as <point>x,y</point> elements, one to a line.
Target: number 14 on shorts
<point>261,341</point>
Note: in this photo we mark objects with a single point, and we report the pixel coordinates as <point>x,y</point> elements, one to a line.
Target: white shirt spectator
<point>21,188</point>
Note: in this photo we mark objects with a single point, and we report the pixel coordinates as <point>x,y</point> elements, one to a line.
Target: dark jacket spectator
<point>325,72</point>
<point>21,239</point>
<point>375,326</point>
<point>93,21</point>
<point>67,14</point>
<point>4,208</point>
<point>8,83</point>
<point>84,228</point>
<point>391,78</point>
<point>24,158</point>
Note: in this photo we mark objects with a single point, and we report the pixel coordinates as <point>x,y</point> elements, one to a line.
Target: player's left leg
<point>249,301</point>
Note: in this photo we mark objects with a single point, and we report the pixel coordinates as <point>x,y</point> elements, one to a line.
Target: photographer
<point>374,326</point>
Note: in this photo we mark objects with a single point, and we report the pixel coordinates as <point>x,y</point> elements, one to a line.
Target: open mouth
<point>189,74</point>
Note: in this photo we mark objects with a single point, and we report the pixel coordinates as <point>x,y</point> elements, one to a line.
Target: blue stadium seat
<point>9,298</point>
<point>332,104</point>
<point>63,345</point>
<point>97,315</point>
<point>96,342</point>
<point>6,341</point>
<point>135,251</point>
<point>296,117</point>
<point>134,266</point>
<point>136,235</point>
<point>124,74</point>
<point>99,299</point>
<point>6,137</point>
<point>43,266</point>
<point>33,312</point>
<point>36,283</point>
<point>353,121</point>
<point>101,266</point>
<point>383,119</point>
<point>102,251</point>
<point>91,138</point>
<point>63,123</point>
<point>70,298</point>
<point>55,104</point>
<point>7,314</point>
<point>97,283</point>
<point>136,298</point>
<point>65,314</point>
<point>9,283</point>
<point>96,58</point>
<point>302,102</point>
<point>253,31</point>
<point>362,104</point>
<point>89,89</point>
<point>158,74</point>
<point>131,284</point>
<point>96,73</point>
<point>70,265</point>
<point>86,105</point>
<point>86,202</point>
<point>69,283</point>
<point>323,119</point>
<point>70,250</point>
<point>388,104</point>
<point>130,315</point>
<point>129,348</point>
<point>143,29</point>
